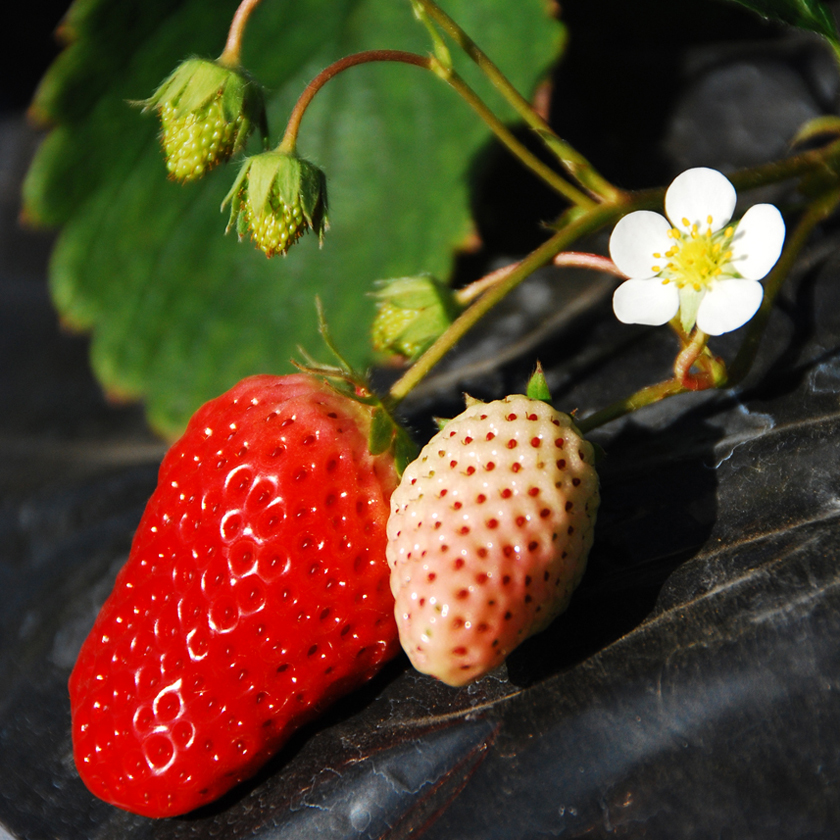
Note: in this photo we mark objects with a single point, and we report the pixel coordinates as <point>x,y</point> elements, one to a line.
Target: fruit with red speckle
<point>489,534</point>
<point>255,594</point>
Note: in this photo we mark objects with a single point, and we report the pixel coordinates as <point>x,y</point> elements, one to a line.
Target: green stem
<point>438,42</point>
<point>715,373</point>
<point>233,47</point>
<point>588,222</point>
<point>745,357</point>
<point>501,131</point>
<point>647,396</point>
<point>574,163</point>
<point>804,163</point>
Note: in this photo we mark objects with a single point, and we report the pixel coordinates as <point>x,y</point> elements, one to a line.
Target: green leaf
<point>178,311</point>
<point>806,14</point>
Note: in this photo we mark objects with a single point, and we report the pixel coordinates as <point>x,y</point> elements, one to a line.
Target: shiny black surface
<point>691,689</point>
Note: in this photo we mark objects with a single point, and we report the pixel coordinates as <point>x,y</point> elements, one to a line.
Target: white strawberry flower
<point>695,262</point>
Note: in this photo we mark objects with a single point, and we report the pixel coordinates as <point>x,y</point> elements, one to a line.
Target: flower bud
<point>278,196</point>
<point>207,111</point>
<point>411,313</point>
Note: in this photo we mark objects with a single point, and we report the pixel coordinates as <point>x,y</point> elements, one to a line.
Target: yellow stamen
<point>656,269</point>
<point>685,222</point>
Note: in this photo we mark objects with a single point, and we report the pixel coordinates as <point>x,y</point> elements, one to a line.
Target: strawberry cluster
<point>259,585</point>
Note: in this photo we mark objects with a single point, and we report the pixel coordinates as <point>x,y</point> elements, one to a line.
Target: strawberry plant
<point>263,580</point>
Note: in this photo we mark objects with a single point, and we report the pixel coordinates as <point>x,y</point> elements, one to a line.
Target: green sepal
<point>196,81</point>
<point>277,182</point>
<point>538,387</point>
<point>405,450</point>
<point>690,300</point>
<point>385,432</point>
<point>201,94</point>
<point>598,452</point>
<point>381,432</point>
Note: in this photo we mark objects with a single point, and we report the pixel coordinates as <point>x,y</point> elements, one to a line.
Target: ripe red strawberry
<point>489,534</point>
<point>256,593</point>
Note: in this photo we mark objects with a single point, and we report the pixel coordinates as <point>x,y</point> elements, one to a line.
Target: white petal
<point>646,302</point>
<point>729,304</point>
<point>635,240</point>
<point>758,241</point>
<point>698,194</point>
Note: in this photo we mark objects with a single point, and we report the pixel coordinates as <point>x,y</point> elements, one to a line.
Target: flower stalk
<point>584,224</point>
<point>289,140</point>
<point>712,371</point>
<point>504,135</point>
<point>233,47</point>
<point>565,259</point>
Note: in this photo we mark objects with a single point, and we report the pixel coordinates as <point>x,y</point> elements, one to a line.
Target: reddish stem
<point>290,136</point>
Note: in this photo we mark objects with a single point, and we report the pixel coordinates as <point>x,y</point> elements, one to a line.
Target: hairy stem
<point>642,398</point>
<point>570,259</point>
<point>585,221</point>
<point>686,358</point>
<point>507,138</point>
<point>293,127</point>
<point>233,47</point>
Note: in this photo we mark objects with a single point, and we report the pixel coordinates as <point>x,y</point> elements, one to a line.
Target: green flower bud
<point>411,312</point>
<point>207,111</point>
<point>278,196</point>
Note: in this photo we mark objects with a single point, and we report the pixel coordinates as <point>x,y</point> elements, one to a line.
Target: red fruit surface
<point>256,593</point>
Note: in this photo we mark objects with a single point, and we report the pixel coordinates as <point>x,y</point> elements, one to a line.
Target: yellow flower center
<point>696,258</point>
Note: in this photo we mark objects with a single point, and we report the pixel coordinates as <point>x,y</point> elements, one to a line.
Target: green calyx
<point>385,433</point>
<point>207,113</point>
<point>538,386</point>
<point>278,196</point>
<point>411,312</point>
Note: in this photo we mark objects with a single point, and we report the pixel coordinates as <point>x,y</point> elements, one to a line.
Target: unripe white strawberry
<point>489,534</point>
